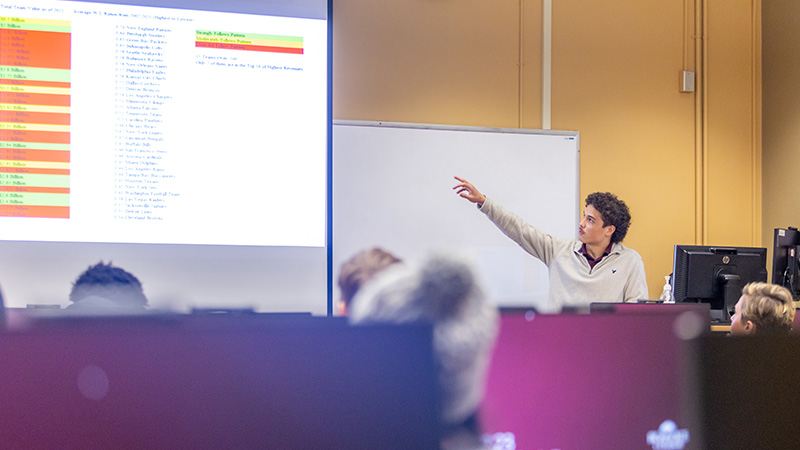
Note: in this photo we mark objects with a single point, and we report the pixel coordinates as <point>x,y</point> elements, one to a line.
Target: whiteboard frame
<point>427,126</point>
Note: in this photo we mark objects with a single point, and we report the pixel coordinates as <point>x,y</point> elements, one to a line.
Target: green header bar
<point>235,35</point>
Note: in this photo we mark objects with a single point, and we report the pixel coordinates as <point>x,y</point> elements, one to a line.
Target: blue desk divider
<point>217,382</point>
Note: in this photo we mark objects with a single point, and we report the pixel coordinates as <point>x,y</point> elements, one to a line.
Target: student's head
<point>109,286</point>
<point>763,308</point>
<point>605,216</point>
<point>441,289</point>
<point>359,269</point>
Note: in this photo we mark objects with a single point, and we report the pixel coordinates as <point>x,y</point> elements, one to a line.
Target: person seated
<point>441,290</point>
<point>763,308</point>
<point>107,289</point>
<point>358,270</point>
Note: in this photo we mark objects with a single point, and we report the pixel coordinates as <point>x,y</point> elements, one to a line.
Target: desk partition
<point>598,381</point>
<point>217,383</point>
<point>747,392</point>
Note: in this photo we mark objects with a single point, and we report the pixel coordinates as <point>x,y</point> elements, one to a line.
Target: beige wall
<point>428,61</point>
<point>616,80</point>
<point>688,164</point>
<point>781,116</point>
<point>733,134</point>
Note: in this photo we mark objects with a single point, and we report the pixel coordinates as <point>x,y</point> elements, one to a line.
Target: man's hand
<point>466,190</point>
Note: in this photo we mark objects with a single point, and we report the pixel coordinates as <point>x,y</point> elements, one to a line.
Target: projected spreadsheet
<point>136,124</point>
<point>34,117</point>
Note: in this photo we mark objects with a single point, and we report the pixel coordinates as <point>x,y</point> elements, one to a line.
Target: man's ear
<point>749,327</point>
<point>609,230</point>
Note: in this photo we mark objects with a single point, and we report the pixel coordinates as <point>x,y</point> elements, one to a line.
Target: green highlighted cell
<point>252,36</point>
<point>17,198</point>
<point>33,145</point>
<point>16,179</point>
<point>17,23</point>
<point>34,73</point>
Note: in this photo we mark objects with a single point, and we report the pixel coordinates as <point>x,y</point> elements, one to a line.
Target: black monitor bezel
<point>721,302</point>
<point>783,241</point>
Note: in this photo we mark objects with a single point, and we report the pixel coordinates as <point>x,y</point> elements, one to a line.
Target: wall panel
<point>781,115</point>
<point>615,78</point>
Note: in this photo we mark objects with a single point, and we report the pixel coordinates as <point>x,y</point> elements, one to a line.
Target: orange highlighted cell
<point>19,98</point>
<point>44,49</point>
<point>54,212</point>
<point>35,189</point>
<point>13,82</point>
<point>22,154</point>
<point>43,118</point>
<point>34,170</point>
<point>48,137</point>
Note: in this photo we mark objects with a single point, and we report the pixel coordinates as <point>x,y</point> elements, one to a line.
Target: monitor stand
<point>731,291</point>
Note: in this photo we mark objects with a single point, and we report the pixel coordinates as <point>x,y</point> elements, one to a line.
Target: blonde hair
<point>769,306</point>
<point>360,268</point>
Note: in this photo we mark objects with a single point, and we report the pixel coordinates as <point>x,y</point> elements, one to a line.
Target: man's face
<point>737,326</point>
<point>591,229</point>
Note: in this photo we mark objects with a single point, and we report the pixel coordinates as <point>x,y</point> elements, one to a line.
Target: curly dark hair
<point>613,211</point>
<point>109,281</point>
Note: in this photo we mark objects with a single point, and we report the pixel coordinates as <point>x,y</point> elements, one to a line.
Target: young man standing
<point>596,268</point>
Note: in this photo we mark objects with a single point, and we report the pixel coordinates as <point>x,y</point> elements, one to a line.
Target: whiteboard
<point>392,187</point>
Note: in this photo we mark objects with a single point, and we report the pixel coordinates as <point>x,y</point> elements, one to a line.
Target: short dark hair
<point>109,281</point>
<point>613,212</point>
<point>362,267</point>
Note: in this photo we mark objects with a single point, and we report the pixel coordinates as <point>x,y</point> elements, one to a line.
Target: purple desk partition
<point>596,381</point>
<point>214,383</point>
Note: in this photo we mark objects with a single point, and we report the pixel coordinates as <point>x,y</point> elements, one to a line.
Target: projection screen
<point>187,142</point>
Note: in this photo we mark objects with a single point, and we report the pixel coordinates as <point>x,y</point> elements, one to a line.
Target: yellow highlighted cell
<point>250,41</point>
<point>58,23</point>
<point>33,127</point>
<point>34,108</point>
<point>33,89</point>
<point>34,164</point>
<point>268,43</point>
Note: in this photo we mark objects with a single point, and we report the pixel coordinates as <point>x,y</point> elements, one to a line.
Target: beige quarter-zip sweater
<point>618,277</point>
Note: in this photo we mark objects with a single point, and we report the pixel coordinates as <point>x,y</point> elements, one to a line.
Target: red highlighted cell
<point>13,82</point>
<point>34,170</point>
<point>44,49</point>
<point>48,137</point>
<point>34,117</point>
<point>35,189</point>
<point>53,212</point>
<point>24,154</point>
<point>19,98</point>
<point>252,48</point>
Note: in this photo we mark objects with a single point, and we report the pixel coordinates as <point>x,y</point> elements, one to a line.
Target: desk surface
<point>721,329</point>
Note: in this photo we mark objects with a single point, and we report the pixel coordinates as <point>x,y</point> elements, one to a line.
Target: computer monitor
<point>716,275</point>
<point>785,254</point>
